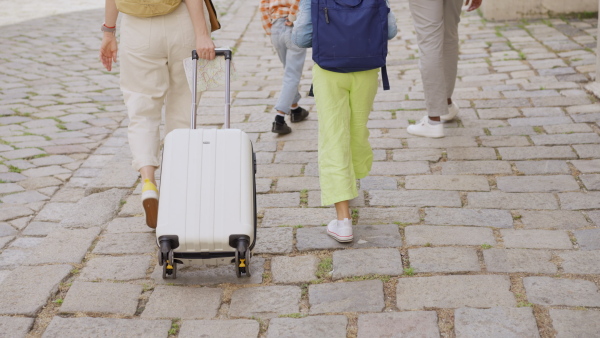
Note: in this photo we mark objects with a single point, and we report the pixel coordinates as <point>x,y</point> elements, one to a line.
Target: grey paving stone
<point>454,292</point>
<point>95,210</point>
<point>397,168</point>
<point>398,324</point>
<point>33,285</point>
<point>106,327</point>
<point>115,268</point>
<point>35,183</point>
<point>298,269</point>
<point>476,217</point>
<point>24,198</point>
<point>475,168</point>
<point>274,240</point>
<point>536,239</point>
<point>433,155</point>
<point>553,219</point>
<point>378,183</point>
<point>7,188</point>
<point>542,167</point>
<point>387,215</point>
<point>587,166</point>
<point>64,246</point>
<point>17,326</point>
<point>183,302</point>
<point>363,296</point>
<point>519,260</point>
<point>263,185</point>
<point>126,243</point>
<point>569,129</point>
<point>554,183</point>
<point>10,212</point>
<point>575,323</point>
<point>128,225</point>
<point>536,152</point>
<point>502,200</point>
<point>52,160</point>
<point>542,112</point>
<point>591,181</point>
<point>210,275</point>
<point>297,183</point>
<point>4,240</point>
<point>265,301</point>
<point>132,207</point>
<point>278,170</point>
<point>580,262</point>
<point>219,328</point>
<point>415,198</point>
<point>496,322</point>
<point>588,239</point>
<point>549,291</point>
<point>114,298</point>
<point>587,150</point>
<point>349,263</point>
<point>297,216</point>
<point>7,230</point>
<point>498,113</point>
<point>68,195</point>
<point>557,139</point>
<point>460,154</point>
<point>365,236</point>
<point>283,200</point>
<point>309,327</point>
<point>115,174</point>
<point>445,259</point>
<point>594,216</point>
<point>579,200</point>
<point>445,235</point>
<point>22,153</point>
<point>447,182</point>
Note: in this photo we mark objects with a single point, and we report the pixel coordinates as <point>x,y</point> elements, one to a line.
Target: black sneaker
<point>298,114</point>
<point>281,128</point>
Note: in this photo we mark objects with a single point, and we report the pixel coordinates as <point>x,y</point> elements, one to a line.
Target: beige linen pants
<point>436,25</point>
<point>152,76</point>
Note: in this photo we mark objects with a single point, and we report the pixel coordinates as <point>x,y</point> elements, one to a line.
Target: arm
<point>302,31</point>
<point>108,48</point>
<point>392,28</point>
<point>204,44</point>
<point>474,5</point>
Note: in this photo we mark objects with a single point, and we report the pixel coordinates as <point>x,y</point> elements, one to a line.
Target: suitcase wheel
<point>242,259</point>
<point>167,261</point>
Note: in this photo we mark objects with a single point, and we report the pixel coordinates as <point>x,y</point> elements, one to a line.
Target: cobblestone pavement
<point>491,231</point>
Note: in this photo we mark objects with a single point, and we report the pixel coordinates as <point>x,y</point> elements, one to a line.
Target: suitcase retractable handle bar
<point>219,52</point>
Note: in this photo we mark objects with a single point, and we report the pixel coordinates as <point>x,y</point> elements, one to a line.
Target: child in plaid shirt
<point>277,17</point>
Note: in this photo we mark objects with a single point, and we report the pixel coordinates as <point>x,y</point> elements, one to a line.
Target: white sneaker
<point>453,109</point>
<point>341,231</point>
<point>423,128</point>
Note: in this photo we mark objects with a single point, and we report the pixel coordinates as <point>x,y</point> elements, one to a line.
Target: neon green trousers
<point>344,102</point>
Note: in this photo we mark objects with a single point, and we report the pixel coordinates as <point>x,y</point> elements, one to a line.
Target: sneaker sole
<point>341,240</point>
<point>281,132</point>
<point>151,209</point>
<point>416,134</point>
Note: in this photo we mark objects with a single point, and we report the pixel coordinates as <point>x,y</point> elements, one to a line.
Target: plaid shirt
<point>274,9</point>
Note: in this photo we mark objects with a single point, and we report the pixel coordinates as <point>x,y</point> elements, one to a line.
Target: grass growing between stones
<point>486,246</point>
<point>324,270</point>
<point>174,327</point>
<point>293,315</point>
<point>383,278</point>
<point>409,271</point>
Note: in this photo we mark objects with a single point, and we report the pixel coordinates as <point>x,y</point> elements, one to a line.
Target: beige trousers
<point>436,25</point>
<point>152,76</point>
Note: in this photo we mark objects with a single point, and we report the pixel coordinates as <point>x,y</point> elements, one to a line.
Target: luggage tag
<point>211,73</point>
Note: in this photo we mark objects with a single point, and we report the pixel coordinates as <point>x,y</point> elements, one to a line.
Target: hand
<point>205,47</point>
<point>108,50</point>
<point>474,5</point>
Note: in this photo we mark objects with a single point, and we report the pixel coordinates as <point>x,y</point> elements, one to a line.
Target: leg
<point>362,95</point>
<point>336,173</point>
<point>452,11</point>
<point>428,17</point>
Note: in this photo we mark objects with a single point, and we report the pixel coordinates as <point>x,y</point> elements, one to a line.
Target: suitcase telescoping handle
<point>219,52</point>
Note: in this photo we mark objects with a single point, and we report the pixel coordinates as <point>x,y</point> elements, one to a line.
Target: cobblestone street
<point>492,231</point>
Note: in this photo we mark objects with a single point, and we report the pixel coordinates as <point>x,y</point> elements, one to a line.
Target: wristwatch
<point>105,28</point>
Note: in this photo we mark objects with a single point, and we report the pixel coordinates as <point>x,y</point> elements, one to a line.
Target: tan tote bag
<point>212,13</point>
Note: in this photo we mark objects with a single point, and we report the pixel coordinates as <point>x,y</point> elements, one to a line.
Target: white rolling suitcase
<point>207,204</point>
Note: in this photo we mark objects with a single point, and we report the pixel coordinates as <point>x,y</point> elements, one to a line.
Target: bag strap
<point>384,78</point>
<point>341,3</point>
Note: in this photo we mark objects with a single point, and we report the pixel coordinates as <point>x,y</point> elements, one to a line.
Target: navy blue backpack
<point>350,35</point>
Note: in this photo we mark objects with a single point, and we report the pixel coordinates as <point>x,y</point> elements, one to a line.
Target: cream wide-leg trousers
<point>436,25</point>
<point>152,76</point>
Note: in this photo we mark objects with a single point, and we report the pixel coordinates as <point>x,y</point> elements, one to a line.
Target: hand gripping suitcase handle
<point>219,52</point>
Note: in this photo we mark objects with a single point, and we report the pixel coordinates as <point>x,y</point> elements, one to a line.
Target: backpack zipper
<point>326,16</point>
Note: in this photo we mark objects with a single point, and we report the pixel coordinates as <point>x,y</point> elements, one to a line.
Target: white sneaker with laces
<point>341,231</point>
<point>424,128</point>
<point>453,110</point>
